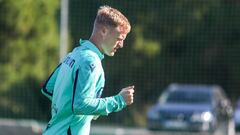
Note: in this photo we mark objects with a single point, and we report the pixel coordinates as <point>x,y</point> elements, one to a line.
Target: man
<point>76,84</point>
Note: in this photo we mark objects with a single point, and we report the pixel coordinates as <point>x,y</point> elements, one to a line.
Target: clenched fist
<point>127,94</point>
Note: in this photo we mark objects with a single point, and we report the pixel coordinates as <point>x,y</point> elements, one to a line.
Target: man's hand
<point>127,94</point>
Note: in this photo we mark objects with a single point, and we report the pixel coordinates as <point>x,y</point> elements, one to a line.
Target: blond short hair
<point>109,16</point>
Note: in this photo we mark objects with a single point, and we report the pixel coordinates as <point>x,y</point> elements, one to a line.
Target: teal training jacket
<point>75,88</point>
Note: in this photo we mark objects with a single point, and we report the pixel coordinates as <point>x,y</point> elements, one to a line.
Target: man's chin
<point>111,54</point>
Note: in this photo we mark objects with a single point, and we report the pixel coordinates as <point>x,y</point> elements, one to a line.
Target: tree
<point>28,51</point>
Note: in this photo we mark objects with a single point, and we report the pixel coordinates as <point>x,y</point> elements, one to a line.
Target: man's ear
<point>104,30</point>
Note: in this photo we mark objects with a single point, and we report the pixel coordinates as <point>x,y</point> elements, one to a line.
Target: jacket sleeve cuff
<point>120,103</point>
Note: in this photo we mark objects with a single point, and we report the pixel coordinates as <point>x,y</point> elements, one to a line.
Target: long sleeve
<point>86,101</point>
<point>48,86</point>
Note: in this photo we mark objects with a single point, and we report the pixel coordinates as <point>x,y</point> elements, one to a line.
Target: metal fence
<point>188,41</point>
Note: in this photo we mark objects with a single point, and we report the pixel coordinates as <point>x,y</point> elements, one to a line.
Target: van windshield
<point>182,96</point>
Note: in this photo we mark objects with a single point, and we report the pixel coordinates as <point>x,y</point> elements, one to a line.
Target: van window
<point>181,96</point>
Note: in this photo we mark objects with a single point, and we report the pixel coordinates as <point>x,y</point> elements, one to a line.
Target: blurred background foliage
<point>28,53</point>
<point>187,41</point>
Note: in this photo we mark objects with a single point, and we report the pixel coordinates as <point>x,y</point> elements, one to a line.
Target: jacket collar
<point>92,47</point>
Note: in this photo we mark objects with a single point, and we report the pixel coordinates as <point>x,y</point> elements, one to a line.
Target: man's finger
<point>131,91</point>
<point>130,87</point>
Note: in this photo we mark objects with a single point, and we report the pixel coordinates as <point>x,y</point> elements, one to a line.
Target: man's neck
<point>96,42</point>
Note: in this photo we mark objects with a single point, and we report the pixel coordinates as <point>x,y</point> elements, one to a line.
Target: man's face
<point>113,40</point>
